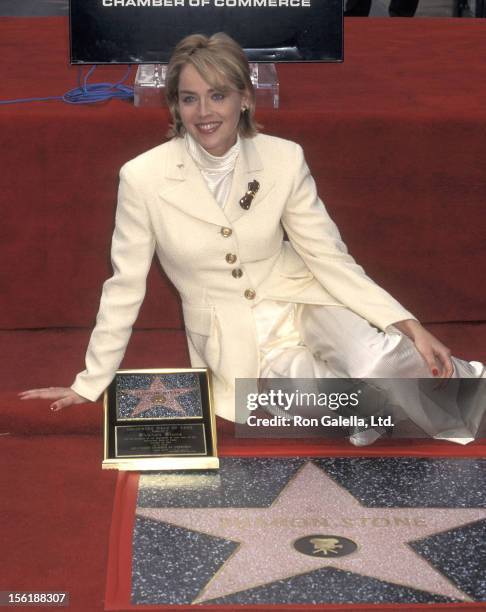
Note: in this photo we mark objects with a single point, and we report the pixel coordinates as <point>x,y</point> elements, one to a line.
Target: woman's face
<point>209,115</point>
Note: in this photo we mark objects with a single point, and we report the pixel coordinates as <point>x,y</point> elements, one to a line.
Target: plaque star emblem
<point>158,394</point>
<point>312,504</point>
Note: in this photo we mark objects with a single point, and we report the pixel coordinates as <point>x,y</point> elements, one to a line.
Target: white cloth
<point>217,171</point>
<point>278,337</point>
<point>312,341</point>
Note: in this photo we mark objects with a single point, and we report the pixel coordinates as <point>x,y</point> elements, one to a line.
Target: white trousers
<point>312,341</point>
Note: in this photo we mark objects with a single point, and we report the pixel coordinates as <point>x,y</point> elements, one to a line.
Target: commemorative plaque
<point>160,420</point>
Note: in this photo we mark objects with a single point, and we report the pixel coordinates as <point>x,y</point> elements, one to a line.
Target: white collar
<point>212,163</point>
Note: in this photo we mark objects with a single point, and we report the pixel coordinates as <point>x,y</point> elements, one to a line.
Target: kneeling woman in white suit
<point>213,203</point>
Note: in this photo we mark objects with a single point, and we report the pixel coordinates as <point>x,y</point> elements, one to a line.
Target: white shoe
<point>444,436</point>
<point>480,369</point>
<point>365,437</point>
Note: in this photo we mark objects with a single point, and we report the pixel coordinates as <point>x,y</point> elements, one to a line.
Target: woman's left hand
<point>436,355</point>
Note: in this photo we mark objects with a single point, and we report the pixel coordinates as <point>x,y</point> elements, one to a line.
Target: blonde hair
<point>222,63</point>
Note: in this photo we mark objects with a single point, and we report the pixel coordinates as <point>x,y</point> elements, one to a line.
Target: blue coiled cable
<point>87,93</point>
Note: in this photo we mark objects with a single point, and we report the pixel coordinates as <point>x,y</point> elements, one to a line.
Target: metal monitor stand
<point>149,87</point>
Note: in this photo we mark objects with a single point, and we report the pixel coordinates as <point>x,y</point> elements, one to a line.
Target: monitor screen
<point>146,31</point>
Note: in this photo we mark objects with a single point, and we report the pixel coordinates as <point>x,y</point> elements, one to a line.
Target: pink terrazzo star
<point>158,395</point>
<point>312,503</point>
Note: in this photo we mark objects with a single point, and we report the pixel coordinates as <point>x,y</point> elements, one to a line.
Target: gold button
<point>226,232</point>
<point>230,258</point>
<point>250,294</point>
<point>237,273</point>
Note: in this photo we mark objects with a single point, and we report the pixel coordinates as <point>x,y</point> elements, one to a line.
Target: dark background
<point>148,34</point>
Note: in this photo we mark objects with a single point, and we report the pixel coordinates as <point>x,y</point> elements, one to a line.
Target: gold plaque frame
<point>153,422</point>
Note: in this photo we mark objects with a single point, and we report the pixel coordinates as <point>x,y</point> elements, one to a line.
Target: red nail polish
<point>435,372</point>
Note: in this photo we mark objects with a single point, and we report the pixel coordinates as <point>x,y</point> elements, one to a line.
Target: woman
<point>213,203</point>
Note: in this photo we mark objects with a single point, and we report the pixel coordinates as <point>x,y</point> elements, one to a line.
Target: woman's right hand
<point>63,396</point>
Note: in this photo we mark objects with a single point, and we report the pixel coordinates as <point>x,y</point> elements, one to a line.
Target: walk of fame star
<point>266,553</point>
<point>158,394</point>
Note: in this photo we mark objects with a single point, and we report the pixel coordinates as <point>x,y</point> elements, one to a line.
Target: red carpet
<point>395,134</point>
<point>55,512</point>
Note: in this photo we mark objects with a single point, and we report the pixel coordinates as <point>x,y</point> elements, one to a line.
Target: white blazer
<point>165,205</point>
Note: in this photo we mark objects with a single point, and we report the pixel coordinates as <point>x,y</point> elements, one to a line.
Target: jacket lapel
<point>186,189</point>
<point>249,167</point>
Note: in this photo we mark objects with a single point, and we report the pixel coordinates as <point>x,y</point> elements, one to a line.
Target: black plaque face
<point>146,31</point>
<point>159,415</point>
<point>160,439</point>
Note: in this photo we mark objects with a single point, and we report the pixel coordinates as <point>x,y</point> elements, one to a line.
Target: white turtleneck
<point>216,171</point>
